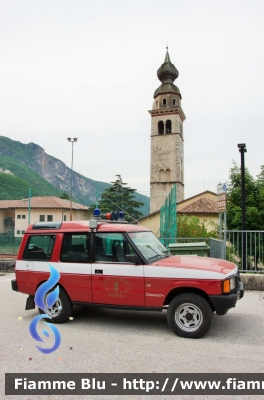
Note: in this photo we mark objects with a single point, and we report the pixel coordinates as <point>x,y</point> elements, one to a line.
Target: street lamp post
<point>242,151</point>
<point>71,140</point>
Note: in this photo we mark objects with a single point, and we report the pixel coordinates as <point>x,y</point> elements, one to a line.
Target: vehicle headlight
<point>232,283</point>
<point>229,284</point>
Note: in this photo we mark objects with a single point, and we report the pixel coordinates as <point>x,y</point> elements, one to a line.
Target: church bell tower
<point>167,139</point>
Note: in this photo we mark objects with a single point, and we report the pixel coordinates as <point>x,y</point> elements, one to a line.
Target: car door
<point>75,266</point>
<point>114,280</point>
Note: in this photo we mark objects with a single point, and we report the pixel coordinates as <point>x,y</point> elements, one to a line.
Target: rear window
<point>39,247</point>
<point>75,248</point>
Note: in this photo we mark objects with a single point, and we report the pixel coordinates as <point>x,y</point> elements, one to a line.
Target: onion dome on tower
<point>167,74</point>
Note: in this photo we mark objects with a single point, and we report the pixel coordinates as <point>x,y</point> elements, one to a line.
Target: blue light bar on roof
<point>97,213</point>
<point>112,216</point>
<point>121,215</point>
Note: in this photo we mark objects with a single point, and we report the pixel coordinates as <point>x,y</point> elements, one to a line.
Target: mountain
<point>24,166</point>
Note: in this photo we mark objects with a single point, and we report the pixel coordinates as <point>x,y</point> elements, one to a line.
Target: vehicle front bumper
<point>224,302</point>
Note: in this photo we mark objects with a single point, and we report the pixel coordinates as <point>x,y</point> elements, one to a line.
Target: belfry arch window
<point>168,126</point>
<point>161,127</point>
<point>162,175</point>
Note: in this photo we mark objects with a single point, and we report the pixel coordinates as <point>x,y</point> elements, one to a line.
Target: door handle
<point>98,271</point>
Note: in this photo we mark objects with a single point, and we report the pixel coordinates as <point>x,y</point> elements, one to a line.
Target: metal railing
<point>9,244</point>
<point>252,259</point>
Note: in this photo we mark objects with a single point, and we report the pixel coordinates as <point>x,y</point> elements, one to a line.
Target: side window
<point>112,247</point>
<point>75,248</point>
<point>39,247</point>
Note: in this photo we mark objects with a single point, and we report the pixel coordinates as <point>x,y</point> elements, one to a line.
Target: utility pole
<point>71,140</point>
<point>242,151</point>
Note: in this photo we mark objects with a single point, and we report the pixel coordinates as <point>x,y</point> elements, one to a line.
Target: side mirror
<point>132,258</point>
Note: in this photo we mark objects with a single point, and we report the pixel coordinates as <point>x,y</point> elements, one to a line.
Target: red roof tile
<point>202,205</point>
<point>42,202</point>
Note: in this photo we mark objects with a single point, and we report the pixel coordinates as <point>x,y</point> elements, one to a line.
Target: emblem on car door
<point>116,287</point>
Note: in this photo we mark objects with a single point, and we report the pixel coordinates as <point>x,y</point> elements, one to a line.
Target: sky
<point>88,69</point>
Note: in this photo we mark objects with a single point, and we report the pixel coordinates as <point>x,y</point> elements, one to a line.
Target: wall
<point>152,222</point>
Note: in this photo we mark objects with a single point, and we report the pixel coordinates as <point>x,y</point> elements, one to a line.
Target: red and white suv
<point>120,265</point>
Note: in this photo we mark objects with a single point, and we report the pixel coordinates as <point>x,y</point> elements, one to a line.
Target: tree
<point>192,227</point>
<point>260,200</point>
<point>118,197</point>
<point>254,189</point>
<point>64,196</point>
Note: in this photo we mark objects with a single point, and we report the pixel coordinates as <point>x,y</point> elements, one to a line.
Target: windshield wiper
<point>154,251</point>
<point>156,256</point>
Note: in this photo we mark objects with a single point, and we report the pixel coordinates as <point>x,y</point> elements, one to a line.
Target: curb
<point>253,281</point>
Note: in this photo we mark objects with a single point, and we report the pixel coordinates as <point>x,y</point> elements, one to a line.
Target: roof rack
<point>47,225</point>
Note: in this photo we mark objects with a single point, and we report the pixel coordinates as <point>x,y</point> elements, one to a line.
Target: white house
<point>16,215</point>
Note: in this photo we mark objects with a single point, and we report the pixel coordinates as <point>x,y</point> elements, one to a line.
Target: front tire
<point>61,309</point>
<point>189,315</point>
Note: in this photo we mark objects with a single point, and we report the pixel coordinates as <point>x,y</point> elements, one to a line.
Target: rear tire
<point>189,315</point>
<point>61,309</point>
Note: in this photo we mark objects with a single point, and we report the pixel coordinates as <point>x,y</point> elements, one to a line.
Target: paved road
<point>99,340</point>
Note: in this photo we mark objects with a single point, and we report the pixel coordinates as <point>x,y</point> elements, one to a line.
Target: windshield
<point>148,245</point>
